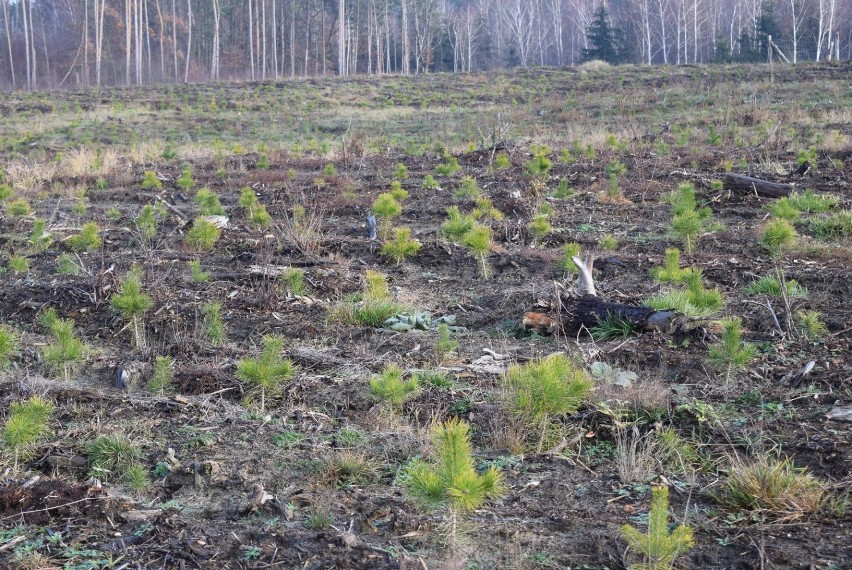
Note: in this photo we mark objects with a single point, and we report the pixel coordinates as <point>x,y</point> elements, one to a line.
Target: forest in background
<point>46,44</point>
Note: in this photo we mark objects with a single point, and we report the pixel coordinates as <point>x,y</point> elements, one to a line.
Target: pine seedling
<point>65,265</point>
<point>778,235</point>
<point>569,252</point>
<point>5,192</point>
<point>445,345</point>
<point>485,210</point>
<point>540,165</point>
<point>150,181</point>
<point>26,424</point>
<point>208,202</point>
<point>132,303</point>
<point>401,246</point>
<point>429,183</point>
<point>397,191</point>
<point>449,167</point>
<point>88,239</point>
<point>389,387</point>
<point>146,222</point>
<point>468,188</point>
<point>18,264</point>
<point>19,208</point>
<point>185,181</point>
<point>198,274</point>
<point>40,238</point>
<point>203,235</point>
<point>212,324</point>
<point>260,217</point>
<point>295,279</point>
<point>659,546</point>
<point>248,200</point>
<point>9,339</point>
<point>710,300</point>
<point>401,172</point>
<point>608,243</point>
<point>782,208</point>
<point>386,208</point>
<point>456,225</point>
<point>671,271</point>
<point>732,354</point>
<point>269,371</point>
<point>164,370</point>
<point>478,243</point>
<point>545,389</point>
<point>67,351</point>
<point>810,325</point>
<point>451,479</point>
<point>539,227</point>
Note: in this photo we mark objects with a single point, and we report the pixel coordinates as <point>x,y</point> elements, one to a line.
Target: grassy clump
<point>203,235</point>
<point>371,308</point>
<point>661,544</point>
<point>811,202</point>
<point>451,479</point>
<point>433,377</point>
<point>132,303</point>
<point>269,371</point>
<point>612,327</point>
<point>88,239</point>
<point>401,246</point>
<point>778,236</point>
<point>9,339</point>
<point>771,489</point>
<point>835,227</point>
<point>113,456</point>
<point>782,208</point>
<point>164,370</point>
<point>543,390</point>
<point>389,387</point>
<point>731,354</point>
<point>771,286</point>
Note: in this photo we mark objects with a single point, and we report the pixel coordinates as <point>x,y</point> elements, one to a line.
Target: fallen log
<point>749,185</point>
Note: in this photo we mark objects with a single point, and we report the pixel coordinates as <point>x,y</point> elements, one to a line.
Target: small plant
<point>543,390</point>
<point>318,519</point>
<point>397,191</point>
<point>385,207</point>
<point>203,235</point>
<point>9,339</point>
<point>391,388</point>
<point>810,325</point>
<point>19,208</point>
<point>688,220</point>
<point>566,262</point>
<point>501,161</point>
<point>540,164</point>
<point>212,324</point>
<point>26,423</point>
<point>811,202</point>
<point>295,279</point>
<point>615,169</point>
<point>248,199</point>
<point>67,351</point>
<point>198,275</point>
<point>65,265</point>
<point>185,181</point>
<point>771,489</point>
<point>834,227</point>
<point>484,210</point>
<point>112,456</point>
<point>436,378</point>
<point>40,238</point>
<point>169,152</point>
<point>164,370</point>
<point>468,188</point>
<point>269,371</point>
<point>373,308</point>
<point>613,327</point>
<point>17,264</point>
<point>150,181</point>
<point>778,235</point>
<point>449,167</point>
<point>132,303</point>
<point>88,239</point>
<point>732,354</point>
<point>539,227</point>
<point>671,271</point>
<point>136,477</point>
<point>700,297</point>
<point>563,191</point>
<point>429,183</point>
<point>146,222</point>
<point>478,243</point>
<point>608,243</point>
<point>5,192</point>
<point>782,208</point>
<point>401,246</point>
<point>771,286</point>
<point>661,545</point>
<point>457,224</point>
<point>262,162</point>
<point>208,202</point>
<point>445,344</point>
<point>400,172</point>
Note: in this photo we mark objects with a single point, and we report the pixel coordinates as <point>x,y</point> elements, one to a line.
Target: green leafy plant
<point>731,354</point>
<point>386,207</point>
<point>203,235</point>
<point>810,325</point>
<point>212,324</point>
<point>26,423</point>
<point>40,238</point>
<point>161,379</point>
<point>457,224</point>
<point>132,303</point>
<point>401,246</point>
<point>9,339</point>
<point>269,371</point>
<point>198,275</point>
<point>66,351</point>
<point>778,236</point>
<point>150,181</point>
<point>208,202</point>
<point>545,389</point>
<point>451,479</point>
<point>661,544</point>
<point>478,242</point>
<point>88,239</point>
<point>389,387</point>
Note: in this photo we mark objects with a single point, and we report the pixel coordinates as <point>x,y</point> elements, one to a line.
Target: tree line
<point>72,43</point>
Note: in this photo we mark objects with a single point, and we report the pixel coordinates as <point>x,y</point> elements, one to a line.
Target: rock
<point>840,414</point>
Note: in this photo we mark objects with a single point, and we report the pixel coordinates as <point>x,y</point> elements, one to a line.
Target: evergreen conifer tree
<point>603,40</point>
